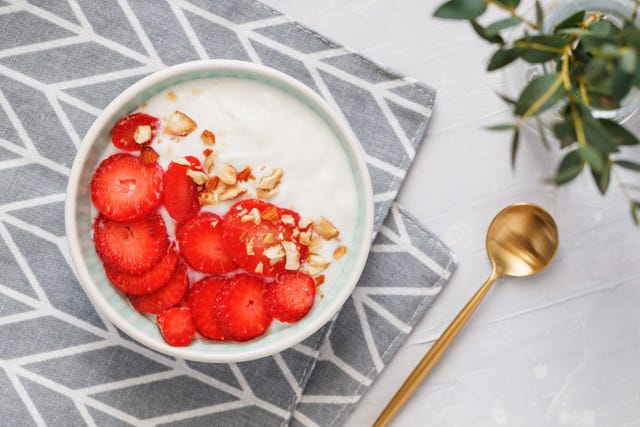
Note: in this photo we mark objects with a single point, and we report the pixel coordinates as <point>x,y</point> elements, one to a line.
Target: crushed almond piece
<point>304,223</point>
<point>148,155</point>
<point>268,238</point>
<point>315,246</point>
<point>207,152</point>
<point>231,193</point>
<point>274,253</point>
<point>214,224</point>
<point>228,175</point>
<point>270,214</point>
<point>208,137</point>
<point>206,198</point>
<point>208,164</point>
<point>181,161</point>
<point>325,229</point>
<point>259,268</point>
<point>296,232</point>
<point>266,194</point>
<point>313,271</point>
<point>249,247</point>
<point>320,280</point>
<point>292,256</point>
<point>245,175</point>
<point>280,236</point>
<point>339,252</point>
<point>252,216</point>
<point>243,211</point>
<point>318,261</point>
<point>212,184</point>
<point>172,96</point>
<point>288,219</point>
<point>198,177</point>
<point>270,182</point>
<point>305,237</point>
<point>180,124</point>
<point>142,134</point>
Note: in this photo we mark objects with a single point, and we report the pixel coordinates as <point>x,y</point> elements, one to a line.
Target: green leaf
<point>506,126</point>
<point>491,37</point>
<point>604,28</point>
<point>565,132</point>
<point>627,164</point>
<point>596,134</point>
<point>514,147</point>
<point>503,24</point>
<point>634,212</point>
<point>621,85</point>
<point>541,48</point>
<point>572,21</point>
<point>502,57</point>
<point>592,157</point>
<point>569,168</point>
<point>461,9</point>
<point>509,4</point>
<point>628,60</point>
<point>618,133</point>
<point>547,87</point>
<point>603,177</point>
<point>580,32</point>
<point>539,14</point>
<point>507,99</point>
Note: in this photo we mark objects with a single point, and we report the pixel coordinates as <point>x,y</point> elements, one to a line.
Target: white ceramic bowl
<point>115,306</point>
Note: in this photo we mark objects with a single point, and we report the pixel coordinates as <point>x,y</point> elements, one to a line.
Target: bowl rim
<point>73,239</point>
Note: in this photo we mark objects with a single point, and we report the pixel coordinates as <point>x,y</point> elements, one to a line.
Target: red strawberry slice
<point>165,297</point>
<point>201,245</point>
<point>131,247</point>
<point>253,246</point>
<point>203,302</point>
<point>180,192</point>
<point>152,280</point>
<point>290,297</point>
<point>241,308</point>
<point>124,135</point>
<point>192,292</point>
<point>177,326</point>
<point>125,189</point>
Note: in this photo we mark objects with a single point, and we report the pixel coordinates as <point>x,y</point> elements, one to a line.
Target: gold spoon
<point>521,241</point>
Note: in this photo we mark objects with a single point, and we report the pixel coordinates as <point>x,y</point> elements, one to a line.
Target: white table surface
<point>558,349</point>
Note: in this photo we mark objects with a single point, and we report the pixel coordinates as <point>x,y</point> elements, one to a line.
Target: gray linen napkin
<point>61,362</point>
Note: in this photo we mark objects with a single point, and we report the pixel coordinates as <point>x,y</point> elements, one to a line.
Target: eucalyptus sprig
<point>590,64</point>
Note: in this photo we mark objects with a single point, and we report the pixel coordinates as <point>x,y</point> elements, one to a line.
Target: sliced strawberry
<point>241,308</point>
<point>125,189</point>
<point>203,306</point>
<point>165,297</point>
<point>201,245</point>
<point>190,295</point>
<point>124,135</point>
<point>145,283</point>
<point>177,326</point>
<point>180,192</point>
<point>252,246</point>
<point>131,247</point>
<point>290,297</point>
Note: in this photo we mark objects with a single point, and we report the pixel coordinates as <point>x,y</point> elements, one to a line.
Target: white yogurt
<point>262,127</point>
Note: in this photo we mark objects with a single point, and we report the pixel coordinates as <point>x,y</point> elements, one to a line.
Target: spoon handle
<point>434,354</point>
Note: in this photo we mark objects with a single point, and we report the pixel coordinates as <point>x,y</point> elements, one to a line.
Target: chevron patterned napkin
<point>61,362</point>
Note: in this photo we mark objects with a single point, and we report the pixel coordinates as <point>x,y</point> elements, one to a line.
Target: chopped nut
<point>266,194</point>
<point>313,271</point>
<point>214,224</point>
<point>142,134</point>
<point>198,177</point>
<point>305,237</point>
<point>292,256</point>
<point>316,245</point>
<point>208,164</point>
<point>245,175</point>
<point>288,219</point>
<point>268,238</point>
<point>180,124</point>
<point>274,253</point>
<point>280,236</point>
<point>295,232</point>
<point>212,184</point>
<point>228,175</point>
<point>249,247</point>
<point>206,198</point>
<point>270,182</point>
<point>270,214</point>
<point>208,137</point>
<point>207,152</point>
<point>304,223</point>
<point>325,229</point>
<point>148,155</point>
<point>231,193</point>
<point>318,261</point>
<point>243,212</point>
<point>172,96</point>
<point>252,216</point>
<point>320,280</point>
<point>339,252</point>
<point>258,268</point>
<point>182,161</point>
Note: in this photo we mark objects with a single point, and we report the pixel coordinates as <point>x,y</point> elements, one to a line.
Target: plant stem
<point>513,13</point>
<point>583,91</point>
<point>538,46</point>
